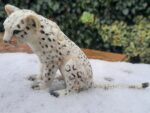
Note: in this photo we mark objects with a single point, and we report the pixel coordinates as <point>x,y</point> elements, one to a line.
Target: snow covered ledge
<point>17,97</point>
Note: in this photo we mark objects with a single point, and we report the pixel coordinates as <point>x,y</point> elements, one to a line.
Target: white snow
<point>16,96</point>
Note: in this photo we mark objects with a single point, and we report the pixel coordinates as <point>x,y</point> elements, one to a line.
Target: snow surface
<point>16,96</point>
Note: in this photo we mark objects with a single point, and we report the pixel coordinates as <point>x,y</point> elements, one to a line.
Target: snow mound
<point>16,96</point>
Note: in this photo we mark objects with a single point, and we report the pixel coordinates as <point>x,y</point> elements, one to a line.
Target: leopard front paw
<point>53,93</point>
<point>38,85</point>
<point>34,77</point>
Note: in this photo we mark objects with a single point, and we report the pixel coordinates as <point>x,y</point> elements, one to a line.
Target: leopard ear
<point>10,9</point>
<point>33,21</point>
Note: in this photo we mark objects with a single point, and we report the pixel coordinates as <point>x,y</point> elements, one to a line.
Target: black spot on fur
<point>33,25</point>
<point>49,78</point>
<point>73,75</point>
<point>64,46</point>
<point>27,28</point>
<point>46,34</point>
<point>68,69</point>
<point>22,36</point>
<point>25,32</point>
<point>22,21</point>
<point>42,26</point>
<point>73,67</point>
<point>79,74</point>
<point>42,31</point>
<point>43,38</point>
<point>53,66</point>
<point>18,26</point>
<point>49,39</point>
<point>60,53</point>
<point>46,46</point>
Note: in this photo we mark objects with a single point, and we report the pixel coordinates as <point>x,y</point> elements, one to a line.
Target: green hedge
<point>66,13</point>
<point>134,39</point>
<point>82,20</point>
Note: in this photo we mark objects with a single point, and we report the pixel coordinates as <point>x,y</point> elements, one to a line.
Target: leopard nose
<point>6,41</point>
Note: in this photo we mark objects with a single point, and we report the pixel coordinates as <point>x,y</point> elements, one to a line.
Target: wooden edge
<point>92,54</point>
<point>108,56</point>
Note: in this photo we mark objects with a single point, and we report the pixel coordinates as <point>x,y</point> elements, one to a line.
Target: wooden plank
<point>108,56</point>
<point>94,54</point>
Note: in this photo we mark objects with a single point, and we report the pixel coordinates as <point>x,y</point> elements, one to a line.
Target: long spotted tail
<point>110,85</point>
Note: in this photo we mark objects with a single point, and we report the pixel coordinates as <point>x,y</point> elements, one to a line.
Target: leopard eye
<point>16,32</point>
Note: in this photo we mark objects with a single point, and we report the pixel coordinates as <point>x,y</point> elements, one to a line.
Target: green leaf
<point>87,17</point>
<point>125,11</point>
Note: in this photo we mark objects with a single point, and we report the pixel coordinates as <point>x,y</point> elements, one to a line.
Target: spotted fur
<point>54,49</point>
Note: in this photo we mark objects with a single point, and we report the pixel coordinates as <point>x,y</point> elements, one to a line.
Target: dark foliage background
<point>90,32</point>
